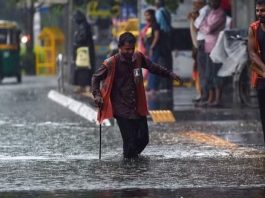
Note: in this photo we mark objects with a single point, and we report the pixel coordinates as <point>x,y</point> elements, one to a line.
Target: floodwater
<point>47,151</point>
<point>64,156</point>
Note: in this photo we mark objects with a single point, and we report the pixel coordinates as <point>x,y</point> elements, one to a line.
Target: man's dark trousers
<point>261,99</point>
<point>135,135</point>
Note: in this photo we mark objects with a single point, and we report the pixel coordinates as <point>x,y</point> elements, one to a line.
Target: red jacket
<point>106,112</point>
<point>254,26</point>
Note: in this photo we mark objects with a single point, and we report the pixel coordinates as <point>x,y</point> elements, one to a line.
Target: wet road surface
<point>47,151</point>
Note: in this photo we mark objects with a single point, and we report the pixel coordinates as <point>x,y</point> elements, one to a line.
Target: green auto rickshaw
<point>9,50</point>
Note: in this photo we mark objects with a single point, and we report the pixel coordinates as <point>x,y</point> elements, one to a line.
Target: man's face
<point>260,12</point>
<point>127,50</point>
<point>214,4</point>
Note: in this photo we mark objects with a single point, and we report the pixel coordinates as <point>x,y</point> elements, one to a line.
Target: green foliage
<point>53,17</point>
<point>172,5</point>
<point>8,11</point>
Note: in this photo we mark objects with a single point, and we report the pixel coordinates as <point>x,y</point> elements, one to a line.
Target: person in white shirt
<point>192,16</point>
<point>201,55</point>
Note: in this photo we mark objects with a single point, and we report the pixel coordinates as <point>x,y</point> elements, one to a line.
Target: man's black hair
<point>126,37</point>
<point>260,2</point>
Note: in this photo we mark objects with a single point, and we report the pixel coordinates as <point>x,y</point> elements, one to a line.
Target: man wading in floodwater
<point>122,93</point>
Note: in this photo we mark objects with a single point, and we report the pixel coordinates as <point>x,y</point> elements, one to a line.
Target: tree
<point>27,8</point>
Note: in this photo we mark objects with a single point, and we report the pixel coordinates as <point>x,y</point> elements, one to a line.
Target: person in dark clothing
<point>256,49</point>
<point>84,51</point>
<point>163,18</point>
<point>122,95</point>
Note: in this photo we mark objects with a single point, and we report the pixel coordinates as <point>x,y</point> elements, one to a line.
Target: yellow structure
<point>94,10</point>
<point>8,24</point>
<point>52,39</point>
<point>162,116</point>
<point>130,25</point>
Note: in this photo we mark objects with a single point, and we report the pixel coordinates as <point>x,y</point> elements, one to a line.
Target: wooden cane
<point>100,128</point>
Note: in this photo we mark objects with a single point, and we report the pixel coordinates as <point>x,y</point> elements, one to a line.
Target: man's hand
<point>98,101</point>
<point>176,77</point>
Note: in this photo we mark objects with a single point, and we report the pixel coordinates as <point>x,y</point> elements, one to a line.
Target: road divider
<point>84,110</point>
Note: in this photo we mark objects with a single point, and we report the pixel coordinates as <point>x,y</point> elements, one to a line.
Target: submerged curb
<point>81,109</point>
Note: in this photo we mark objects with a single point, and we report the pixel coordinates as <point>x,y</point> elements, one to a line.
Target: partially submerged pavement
<point>47,151</point>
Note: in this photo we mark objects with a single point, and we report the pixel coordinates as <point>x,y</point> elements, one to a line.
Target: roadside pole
<point>69,39</point>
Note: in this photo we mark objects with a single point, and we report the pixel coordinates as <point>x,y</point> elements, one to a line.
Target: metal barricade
<point>60,72</point>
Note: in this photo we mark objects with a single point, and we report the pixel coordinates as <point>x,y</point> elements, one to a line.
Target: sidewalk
<point>182,106</point>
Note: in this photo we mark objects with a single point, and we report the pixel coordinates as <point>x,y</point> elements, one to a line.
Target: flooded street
<point>48,151</point>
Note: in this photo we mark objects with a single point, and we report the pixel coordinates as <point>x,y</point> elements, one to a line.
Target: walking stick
<point>100,135</point>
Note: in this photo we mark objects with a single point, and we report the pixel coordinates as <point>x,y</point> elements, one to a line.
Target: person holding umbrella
<point>122,94</point>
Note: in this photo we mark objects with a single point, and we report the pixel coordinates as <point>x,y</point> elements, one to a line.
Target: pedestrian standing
<point>163,19</point>
<point>197,38</point>
<point>83,53</point>
<point>213,24</point>
<point>256,49</point>
<point>122,93</point>
<point>201,54</point>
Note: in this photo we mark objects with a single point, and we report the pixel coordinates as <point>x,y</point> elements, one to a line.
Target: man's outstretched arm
<point>159,70</point>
